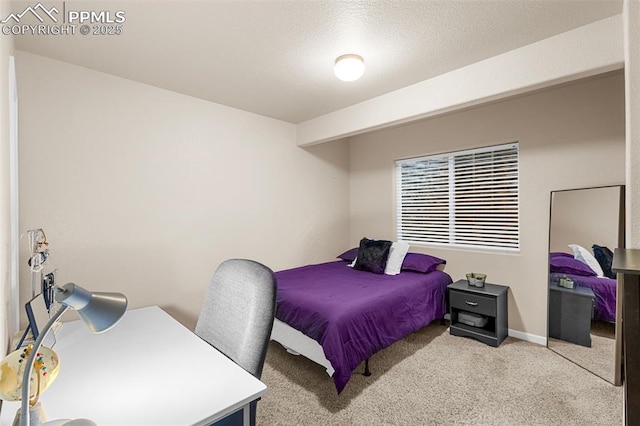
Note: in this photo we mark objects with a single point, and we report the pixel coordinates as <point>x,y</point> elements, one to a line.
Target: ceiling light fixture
<point>349,67</point>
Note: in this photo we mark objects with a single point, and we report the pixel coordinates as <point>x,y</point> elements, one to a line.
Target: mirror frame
<point>618,355</point>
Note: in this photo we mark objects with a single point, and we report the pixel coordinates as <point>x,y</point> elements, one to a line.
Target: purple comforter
<point>353,314</point>
<point>603,288</point>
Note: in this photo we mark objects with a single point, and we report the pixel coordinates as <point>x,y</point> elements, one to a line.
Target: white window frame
<point>448,215</point>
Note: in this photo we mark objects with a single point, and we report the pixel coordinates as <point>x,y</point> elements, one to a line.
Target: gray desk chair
<point>237,317</point>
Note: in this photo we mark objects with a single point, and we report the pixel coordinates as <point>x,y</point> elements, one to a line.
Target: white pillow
<point>584,256</point>
<point>397,253</point>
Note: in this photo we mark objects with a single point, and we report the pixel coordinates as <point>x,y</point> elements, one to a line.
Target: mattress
<point>353,314</point>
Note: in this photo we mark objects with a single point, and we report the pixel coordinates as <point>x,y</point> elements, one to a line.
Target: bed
<point>338,316</point>
<point>604,288</point>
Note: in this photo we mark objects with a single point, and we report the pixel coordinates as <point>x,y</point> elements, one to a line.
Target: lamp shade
<point>98,310</point>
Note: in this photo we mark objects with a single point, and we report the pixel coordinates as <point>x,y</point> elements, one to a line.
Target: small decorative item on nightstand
<point>566,282</point>
<point>475,279</point>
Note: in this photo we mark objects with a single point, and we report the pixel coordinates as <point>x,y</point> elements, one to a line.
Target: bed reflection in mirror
<point>586,226</point>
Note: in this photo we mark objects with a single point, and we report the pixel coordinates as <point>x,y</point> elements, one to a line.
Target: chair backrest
<point>238,312</point>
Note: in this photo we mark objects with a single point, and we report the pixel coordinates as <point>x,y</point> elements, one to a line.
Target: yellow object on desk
<point>45,371</point>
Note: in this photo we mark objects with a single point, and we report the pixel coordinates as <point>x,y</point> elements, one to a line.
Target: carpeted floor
<point>433,378</point>
<point>599,358</point>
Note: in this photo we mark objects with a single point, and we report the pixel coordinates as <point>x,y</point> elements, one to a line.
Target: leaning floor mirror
<point>584,314</point>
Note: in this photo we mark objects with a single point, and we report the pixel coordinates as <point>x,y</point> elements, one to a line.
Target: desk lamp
<point>99,311</point>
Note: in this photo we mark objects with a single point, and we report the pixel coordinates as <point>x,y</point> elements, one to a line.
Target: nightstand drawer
<point>473,303</point>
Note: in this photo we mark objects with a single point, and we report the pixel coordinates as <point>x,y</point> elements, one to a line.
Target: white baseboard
<point>533,338</point>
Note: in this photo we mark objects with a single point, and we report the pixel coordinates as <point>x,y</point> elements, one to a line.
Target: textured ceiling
<point>275,58</point>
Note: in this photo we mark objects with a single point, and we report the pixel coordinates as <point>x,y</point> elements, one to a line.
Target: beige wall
<point>6,50</point>
<point>631,37</point>
<point>570,137</point>
<point>138,191</point>
<point>584,217</point>
<point>146,191</point>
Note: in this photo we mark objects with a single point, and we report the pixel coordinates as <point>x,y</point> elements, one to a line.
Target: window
<point>466,198</point>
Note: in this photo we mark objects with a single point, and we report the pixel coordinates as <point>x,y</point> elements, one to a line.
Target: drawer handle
<point>471,303</point>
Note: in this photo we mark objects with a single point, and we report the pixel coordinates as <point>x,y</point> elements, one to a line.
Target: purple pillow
<point>560,254</point>
<point>349,255</point>
<point>419,262</point>
<point>569,265</point>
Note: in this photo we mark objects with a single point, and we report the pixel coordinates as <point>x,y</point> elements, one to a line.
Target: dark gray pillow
<point>372,255</point>
<point>604,256</point>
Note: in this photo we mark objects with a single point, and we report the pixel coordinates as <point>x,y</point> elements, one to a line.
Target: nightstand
<point>489,301</point>
<point>570,312</point>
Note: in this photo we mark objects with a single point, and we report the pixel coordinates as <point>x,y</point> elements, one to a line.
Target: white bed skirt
<point>297,343</point>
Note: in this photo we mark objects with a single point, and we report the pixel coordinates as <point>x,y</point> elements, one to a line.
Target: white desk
<point>147,370</point>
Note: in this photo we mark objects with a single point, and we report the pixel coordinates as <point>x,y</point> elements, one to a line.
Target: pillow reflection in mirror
<point>582,254</point>
<point>604,256</point>
<point>569,265</point>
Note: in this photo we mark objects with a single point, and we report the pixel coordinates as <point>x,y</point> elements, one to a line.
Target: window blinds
<point>466,198</point>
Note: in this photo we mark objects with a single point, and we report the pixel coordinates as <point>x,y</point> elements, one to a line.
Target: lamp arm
<point>26,377</point>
